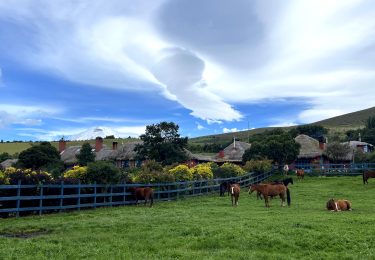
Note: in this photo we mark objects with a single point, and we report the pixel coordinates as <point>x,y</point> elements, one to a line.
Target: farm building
<point>311,150</point>
<point>232,153</point>
<point>8,163</point>
<point>123,155</point>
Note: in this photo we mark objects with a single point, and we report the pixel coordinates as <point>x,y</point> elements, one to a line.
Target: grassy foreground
<point>209,228</point>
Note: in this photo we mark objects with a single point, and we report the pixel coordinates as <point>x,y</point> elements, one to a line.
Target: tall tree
<point>280,148</point>
<point>39,156</point>
<point>86,155</point>
<point>314,131</point>
<point>162,143</point>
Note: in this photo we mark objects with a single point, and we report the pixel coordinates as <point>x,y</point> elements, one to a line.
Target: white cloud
<point>321,52</point>
<point>232,130</point>
<point>24,115</point>
<point>199,126</point>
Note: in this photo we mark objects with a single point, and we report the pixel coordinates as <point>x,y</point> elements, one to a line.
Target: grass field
<point>209,228</point>
<point>17,147</point>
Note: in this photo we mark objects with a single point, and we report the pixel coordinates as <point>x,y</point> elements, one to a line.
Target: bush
<point>258,166</point>
<point>4,180</point>
<point>182,173</point>
<point>13,175</point>
<point>78,173</point>
<point>102,172</point>
<point>202,171</point>
<point>229,170</point>
<point>154,177</point>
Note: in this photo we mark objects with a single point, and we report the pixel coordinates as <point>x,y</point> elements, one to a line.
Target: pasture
<point>208,227</point>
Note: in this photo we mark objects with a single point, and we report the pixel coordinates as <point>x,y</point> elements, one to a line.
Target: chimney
<point>62,145</point>
<point>98,144</point>
<point>114,146</point>
<point>221,154</point>
<point>321,143</point>
<point>359,137</point>
<point>234,142</point>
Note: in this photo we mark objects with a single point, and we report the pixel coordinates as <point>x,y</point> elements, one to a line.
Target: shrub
<point>202,171</point>
<point>102,172</point>
<point>26,176</point>
<point>78,173</point>
<point>229,170</point>
<point>154,177</point>
<point>182,173</point>
<point>4,180</point>
<point>258,166</point>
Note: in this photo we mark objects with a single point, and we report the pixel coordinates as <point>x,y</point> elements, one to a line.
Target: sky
<point>213,66</point>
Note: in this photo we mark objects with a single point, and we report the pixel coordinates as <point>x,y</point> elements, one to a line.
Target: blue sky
<point>210,66</point>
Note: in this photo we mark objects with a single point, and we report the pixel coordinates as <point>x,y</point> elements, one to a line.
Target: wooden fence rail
<point>336,169</point>
<point>16,200</point>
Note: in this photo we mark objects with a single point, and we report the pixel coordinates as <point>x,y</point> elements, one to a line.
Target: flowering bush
<point>77,172</point>
<point>202,171</point>
<point>27,176</point>
<point>228,170</point>
<point>3,178</point>
<point>258,166</point>
<point>182,173</point>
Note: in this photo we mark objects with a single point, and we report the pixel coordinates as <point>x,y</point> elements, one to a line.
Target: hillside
<point>12,147</point>
<point>338,124</point>
<point>351,120</point>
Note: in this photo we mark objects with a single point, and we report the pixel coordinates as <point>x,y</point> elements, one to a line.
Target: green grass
<point>17,147</point>
<point>209,228</point>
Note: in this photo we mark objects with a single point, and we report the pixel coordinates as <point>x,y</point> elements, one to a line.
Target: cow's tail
<point>363,177</point>
<point>288,199</point>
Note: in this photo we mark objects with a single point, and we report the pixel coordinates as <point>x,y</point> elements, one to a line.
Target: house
<point>123,156</point>
<point>362,146</point>
<point>8,163</point>
<point>232,153</point>
<point>311,150</point>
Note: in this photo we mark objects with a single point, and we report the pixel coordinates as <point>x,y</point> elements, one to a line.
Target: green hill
<point>351,120</point>
<point>338,124</point>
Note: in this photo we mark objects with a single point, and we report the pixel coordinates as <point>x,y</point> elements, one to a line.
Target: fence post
<point>94,195</point>
<point>18,198</point>
<point>61,195</point>
<point>79,196</point>
<point>123,192</point>
<point>41,200</point>
<point>110,196</point>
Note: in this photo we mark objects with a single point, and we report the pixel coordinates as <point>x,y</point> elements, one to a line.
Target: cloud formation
<point>209,56</point>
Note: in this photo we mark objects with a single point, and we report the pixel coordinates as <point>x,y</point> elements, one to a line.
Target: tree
<point>337,151</point>
<point>314,131</point>
<point>38,156</point>
<point>370,122</point>
<point>4,156</point>
<point>280,148</point>
<point>86,155</point>
<point>102,172</point>
<point>162,143</point>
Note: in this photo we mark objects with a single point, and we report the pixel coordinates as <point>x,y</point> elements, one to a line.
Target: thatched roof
<point>309,147</point>
<point>234,152</point>
<point>126,151</point>
<point>68,156</point>
<point>8,163</point>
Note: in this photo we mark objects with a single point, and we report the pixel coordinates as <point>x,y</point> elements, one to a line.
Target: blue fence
<point>16,200</point>
<point>336,169</point>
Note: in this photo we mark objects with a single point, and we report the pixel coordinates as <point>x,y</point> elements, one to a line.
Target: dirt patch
<point>30,233</point>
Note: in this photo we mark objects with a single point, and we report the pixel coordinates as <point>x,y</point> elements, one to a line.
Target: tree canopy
<point>86,155</point>
<point>162,143</point>
<point>39,156</point>
<point>280,148</point>
<point>314,131</point>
